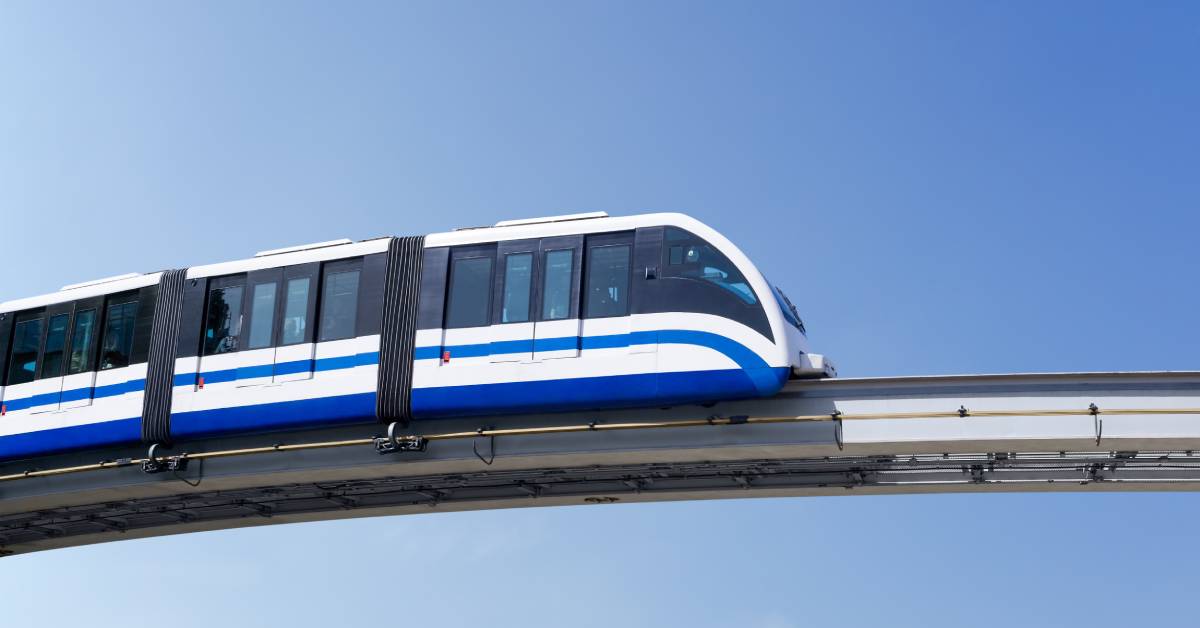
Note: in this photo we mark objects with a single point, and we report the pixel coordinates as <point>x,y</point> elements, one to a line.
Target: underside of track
<point>1105,431</point>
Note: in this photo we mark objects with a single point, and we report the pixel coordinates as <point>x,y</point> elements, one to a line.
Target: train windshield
<point>690,257</point>
<point>789,311</point>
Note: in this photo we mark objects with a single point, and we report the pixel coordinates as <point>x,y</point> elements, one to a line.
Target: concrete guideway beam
<point>1108,431</point>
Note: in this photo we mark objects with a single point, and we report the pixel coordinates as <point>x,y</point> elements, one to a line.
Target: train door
<point>256,360</point>
<point>46,391</point>
<point>23,362</point>
<point>297,309</point>
<point>79,382</point>
<point>512,316</point>
<point>467,332</point>
<point>223,316</point>
<point>557,330</point>
<point>606,290</point>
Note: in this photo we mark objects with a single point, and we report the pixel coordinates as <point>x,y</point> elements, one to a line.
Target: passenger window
<point>56,344</point>
<point>118,335</point>
<point>690,257</point>
<point>339,305</point>
<point>81,342</point>
<point>607,281</point>
<point>262,315</point>
<point>556,285</point>
<point>470,293</point>
<point>26,337</point>
<point>295,312</point>
<point>518,276</point>
<point>224,321</point>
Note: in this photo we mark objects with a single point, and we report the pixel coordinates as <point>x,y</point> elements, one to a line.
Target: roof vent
<point>534,221</point>
<point>96,282</point>
<point>304,247</point>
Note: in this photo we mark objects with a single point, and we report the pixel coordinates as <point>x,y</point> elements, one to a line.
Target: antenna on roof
<point>304,247</point>
<point>563,218</point>
<point>96,282</point>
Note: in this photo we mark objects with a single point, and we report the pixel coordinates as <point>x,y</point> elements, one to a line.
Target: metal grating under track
<point>26,531</point>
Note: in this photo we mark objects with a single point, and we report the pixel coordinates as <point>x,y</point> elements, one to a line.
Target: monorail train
<point>564,313</point>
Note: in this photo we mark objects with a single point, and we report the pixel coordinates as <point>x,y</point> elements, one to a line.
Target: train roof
<point>519,229</point>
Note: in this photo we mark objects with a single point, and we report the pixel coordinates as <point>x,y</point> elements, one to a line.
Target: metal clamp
<point>155,464</point>
<point>393,443</point>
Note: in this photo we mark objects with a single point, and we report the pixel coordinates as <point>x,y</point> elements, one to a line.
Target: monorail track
<point>1104,431</point>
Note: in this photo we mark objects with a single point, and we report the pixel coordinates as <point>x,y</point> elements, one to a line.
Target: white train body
<point>527,316</point>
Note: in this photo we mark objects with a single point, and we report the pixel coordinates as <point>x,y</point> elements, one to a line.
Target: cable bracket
<point>155,464</point>
<point>393,443</point>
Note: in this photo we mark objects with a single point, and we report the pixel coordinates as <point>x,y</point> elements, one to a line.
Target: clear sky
<point>942,187</point>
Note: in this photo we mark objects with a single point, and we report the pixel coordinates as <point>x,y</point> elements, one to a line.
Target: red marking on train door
<point>200,382</point>
<point>445,357</point>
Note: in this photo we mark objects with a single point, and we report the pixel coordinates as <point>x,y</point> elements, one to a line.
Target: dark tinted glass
<point>339,305</point>
<point>691,257</point>
<point>118,335</point>
<point>56,345</point>
<point>789,311</point>
<point>81,342</point>
<point>470,293</point>
<point>262,315</point>
<point>224,321</point>
<point>556,285</point>
<point>295,311</point>
<point>518,276</point>
<point>26,337</point>
<point>607,281</point>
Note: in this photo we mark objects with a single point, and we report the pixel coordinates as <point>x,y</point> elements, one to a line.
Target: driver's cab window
<point>690,257</point>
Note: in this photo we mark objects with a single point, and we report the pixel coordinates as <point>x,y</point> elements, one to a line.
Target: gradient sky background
<point>941,187</point>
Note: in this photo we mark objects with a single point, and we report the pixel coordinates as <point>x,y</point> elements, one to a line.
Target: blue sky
<point>941,188</point>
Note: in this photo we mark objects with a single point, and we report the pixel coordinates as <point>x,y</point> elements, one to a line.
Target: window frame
<point>605,240</point>
<point>312,272</point>
<point>474,251</point>
<point>255,278</point>
<point>25,317</point>
<point>51,311</point>
<point>221,283</point>
<point>500,277</point>
<point>90,361</point>
<point>334,267</point>
<point>111,300</point>
<point>573,243</point>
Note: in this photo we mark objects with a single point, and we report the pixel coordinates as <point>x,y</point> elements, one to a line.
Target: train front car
<point>573,312</point>
<point>588,311</point>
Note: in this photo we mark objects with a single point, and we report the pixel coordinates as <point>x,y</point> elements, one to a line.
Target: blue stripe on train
<point>745,358</point>
<point>749,361</point>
